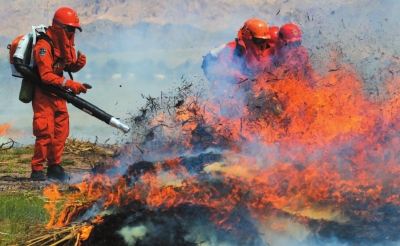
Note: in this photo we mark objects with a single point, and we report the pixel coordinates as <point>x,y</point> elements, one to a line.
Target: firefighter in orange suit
<point>274,33</point>
<point>51,119</point>
<point>242,58</point>
<point>292,58</point>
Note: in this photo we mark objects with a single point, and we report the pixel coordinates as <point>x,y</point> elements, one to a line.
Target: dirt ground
<point>78,157</point>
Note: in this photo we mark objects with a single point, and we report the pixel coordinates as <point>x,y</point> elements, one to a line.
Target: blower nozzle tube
<point>28,72</point>
<point>118,124</point>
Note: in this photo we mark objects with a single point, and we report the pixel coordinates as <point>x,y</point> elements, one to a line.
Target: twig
<point>71,235</point>
<point>3,144</point>
<point>3,233</point>
<point>243,80</point>
<point>37,240</point>
<point>50,239</point>
<point>139,149</point>
<point>77,239</point>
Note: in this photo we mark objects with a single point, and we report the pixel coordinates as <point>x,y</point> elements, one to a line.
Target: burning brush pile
<point>255,163</point>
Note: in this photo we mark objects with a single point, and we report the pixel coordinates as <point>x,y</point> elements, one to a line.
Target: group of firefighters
<point>257,48</point>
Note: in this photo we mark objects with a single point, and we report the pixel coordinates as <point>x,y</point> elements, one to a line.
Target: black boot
<point>56,172</point>
<point>37,176</point>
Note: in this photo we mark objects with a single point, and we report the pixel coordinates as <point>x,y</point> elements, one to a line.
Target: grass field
<point>18,212</point>
<point>22,211</point>
<point>16,160</point>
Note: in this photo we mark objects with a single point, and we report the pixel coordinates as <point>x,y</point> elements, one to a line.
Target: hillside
<point>208,15</point>
<point>205,23</point>
<point>200,13</point>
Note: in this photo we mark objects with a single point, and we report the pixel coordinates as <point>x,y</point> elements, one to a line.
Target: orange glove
<point>81,61</point>
<point>75,87</point>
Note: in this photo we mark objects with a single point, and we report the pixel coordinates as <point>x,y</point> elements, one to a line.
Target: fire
<point>313,153</point>
<point>52,193</point>
<point>4,128</point>
<point>85,232</point>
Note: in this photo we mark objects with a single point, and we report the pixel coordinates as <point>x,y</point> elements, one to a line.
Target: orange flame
<point>52,193</point>
<point>85,232</point>
<point>4,128</point>
<point>327,146</point>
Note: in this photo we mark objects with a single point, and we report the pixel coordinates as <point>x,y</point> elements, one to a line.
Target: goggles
<point>66,27</point>
<point>69,29</point>
<point>259,41</point>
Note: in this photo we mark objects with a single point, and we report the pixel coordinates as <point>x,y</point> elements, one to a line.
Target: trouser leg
<point>43,129</point>
<point>61,132</point>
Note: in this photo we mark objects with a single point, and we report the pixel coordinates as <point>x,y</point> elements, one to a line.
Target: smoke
<point>132,234</point>
<point>148,49</point>
<point>131,59</point>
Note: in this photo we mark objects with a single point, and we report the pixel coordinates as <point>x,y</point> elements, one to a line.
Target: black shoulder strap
<point>238,49</point>
<point>44,36</point>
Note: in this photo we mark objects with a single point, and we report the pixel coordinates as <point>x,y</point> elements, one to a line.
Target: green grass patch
<point>5,157</point>
<point>25,160</point>
<point>27,150</point>
<point>12,165</point>
<point>15,153</point>
<point>7,170</point>
<point>68,162</point>
<point>18,211</point>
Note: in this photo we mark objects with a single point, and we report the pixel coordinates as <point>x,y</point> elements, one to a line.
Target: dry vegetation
<point>79,156</point>
<point>22,213</point>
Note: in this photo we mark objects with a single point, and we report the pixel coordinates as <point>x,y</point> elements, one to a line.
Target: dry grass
<point>22,214</point>
<point>69,235</point>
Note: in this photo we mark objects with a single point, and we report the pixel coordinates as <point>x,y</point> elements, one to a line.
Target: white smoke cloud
<point>132,234</point>
<point>363,31</point>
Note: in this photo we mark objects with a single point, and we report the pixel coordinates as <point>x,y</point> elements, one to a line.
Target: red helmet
<point>290,33</point>
<point>255,28</point>
<point>274,32</point>
<point>248,21</point>
<point>65,16</point>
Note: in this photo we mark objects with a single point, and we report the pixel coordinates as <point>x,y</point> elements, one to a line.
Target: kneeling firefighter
<point>51,118</point>
<point>242,58</point>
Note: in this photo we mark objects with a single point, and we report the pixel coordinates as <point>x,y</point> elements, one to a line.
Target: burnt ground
<point>381,225</point>
<point>78,157</point>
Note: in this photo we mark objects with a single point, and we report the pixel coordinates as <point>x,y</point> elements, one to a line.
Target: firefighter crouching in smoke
<point>51,119</point>
<point>290,57</point>
<point>240,59</point>
<point>248,58</point>
<point>266,105</point>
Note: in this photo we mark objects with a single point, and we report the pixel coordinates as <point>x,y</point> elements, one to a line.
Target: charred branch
<point>7,145</point>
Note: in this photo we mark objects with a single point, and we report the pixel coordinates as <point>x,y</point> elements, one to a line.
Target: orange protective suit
<point>229,65</point>
<point>239,60</point>
<point>243,58</point>
<point>293,60</point>
<point>51,119</point>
